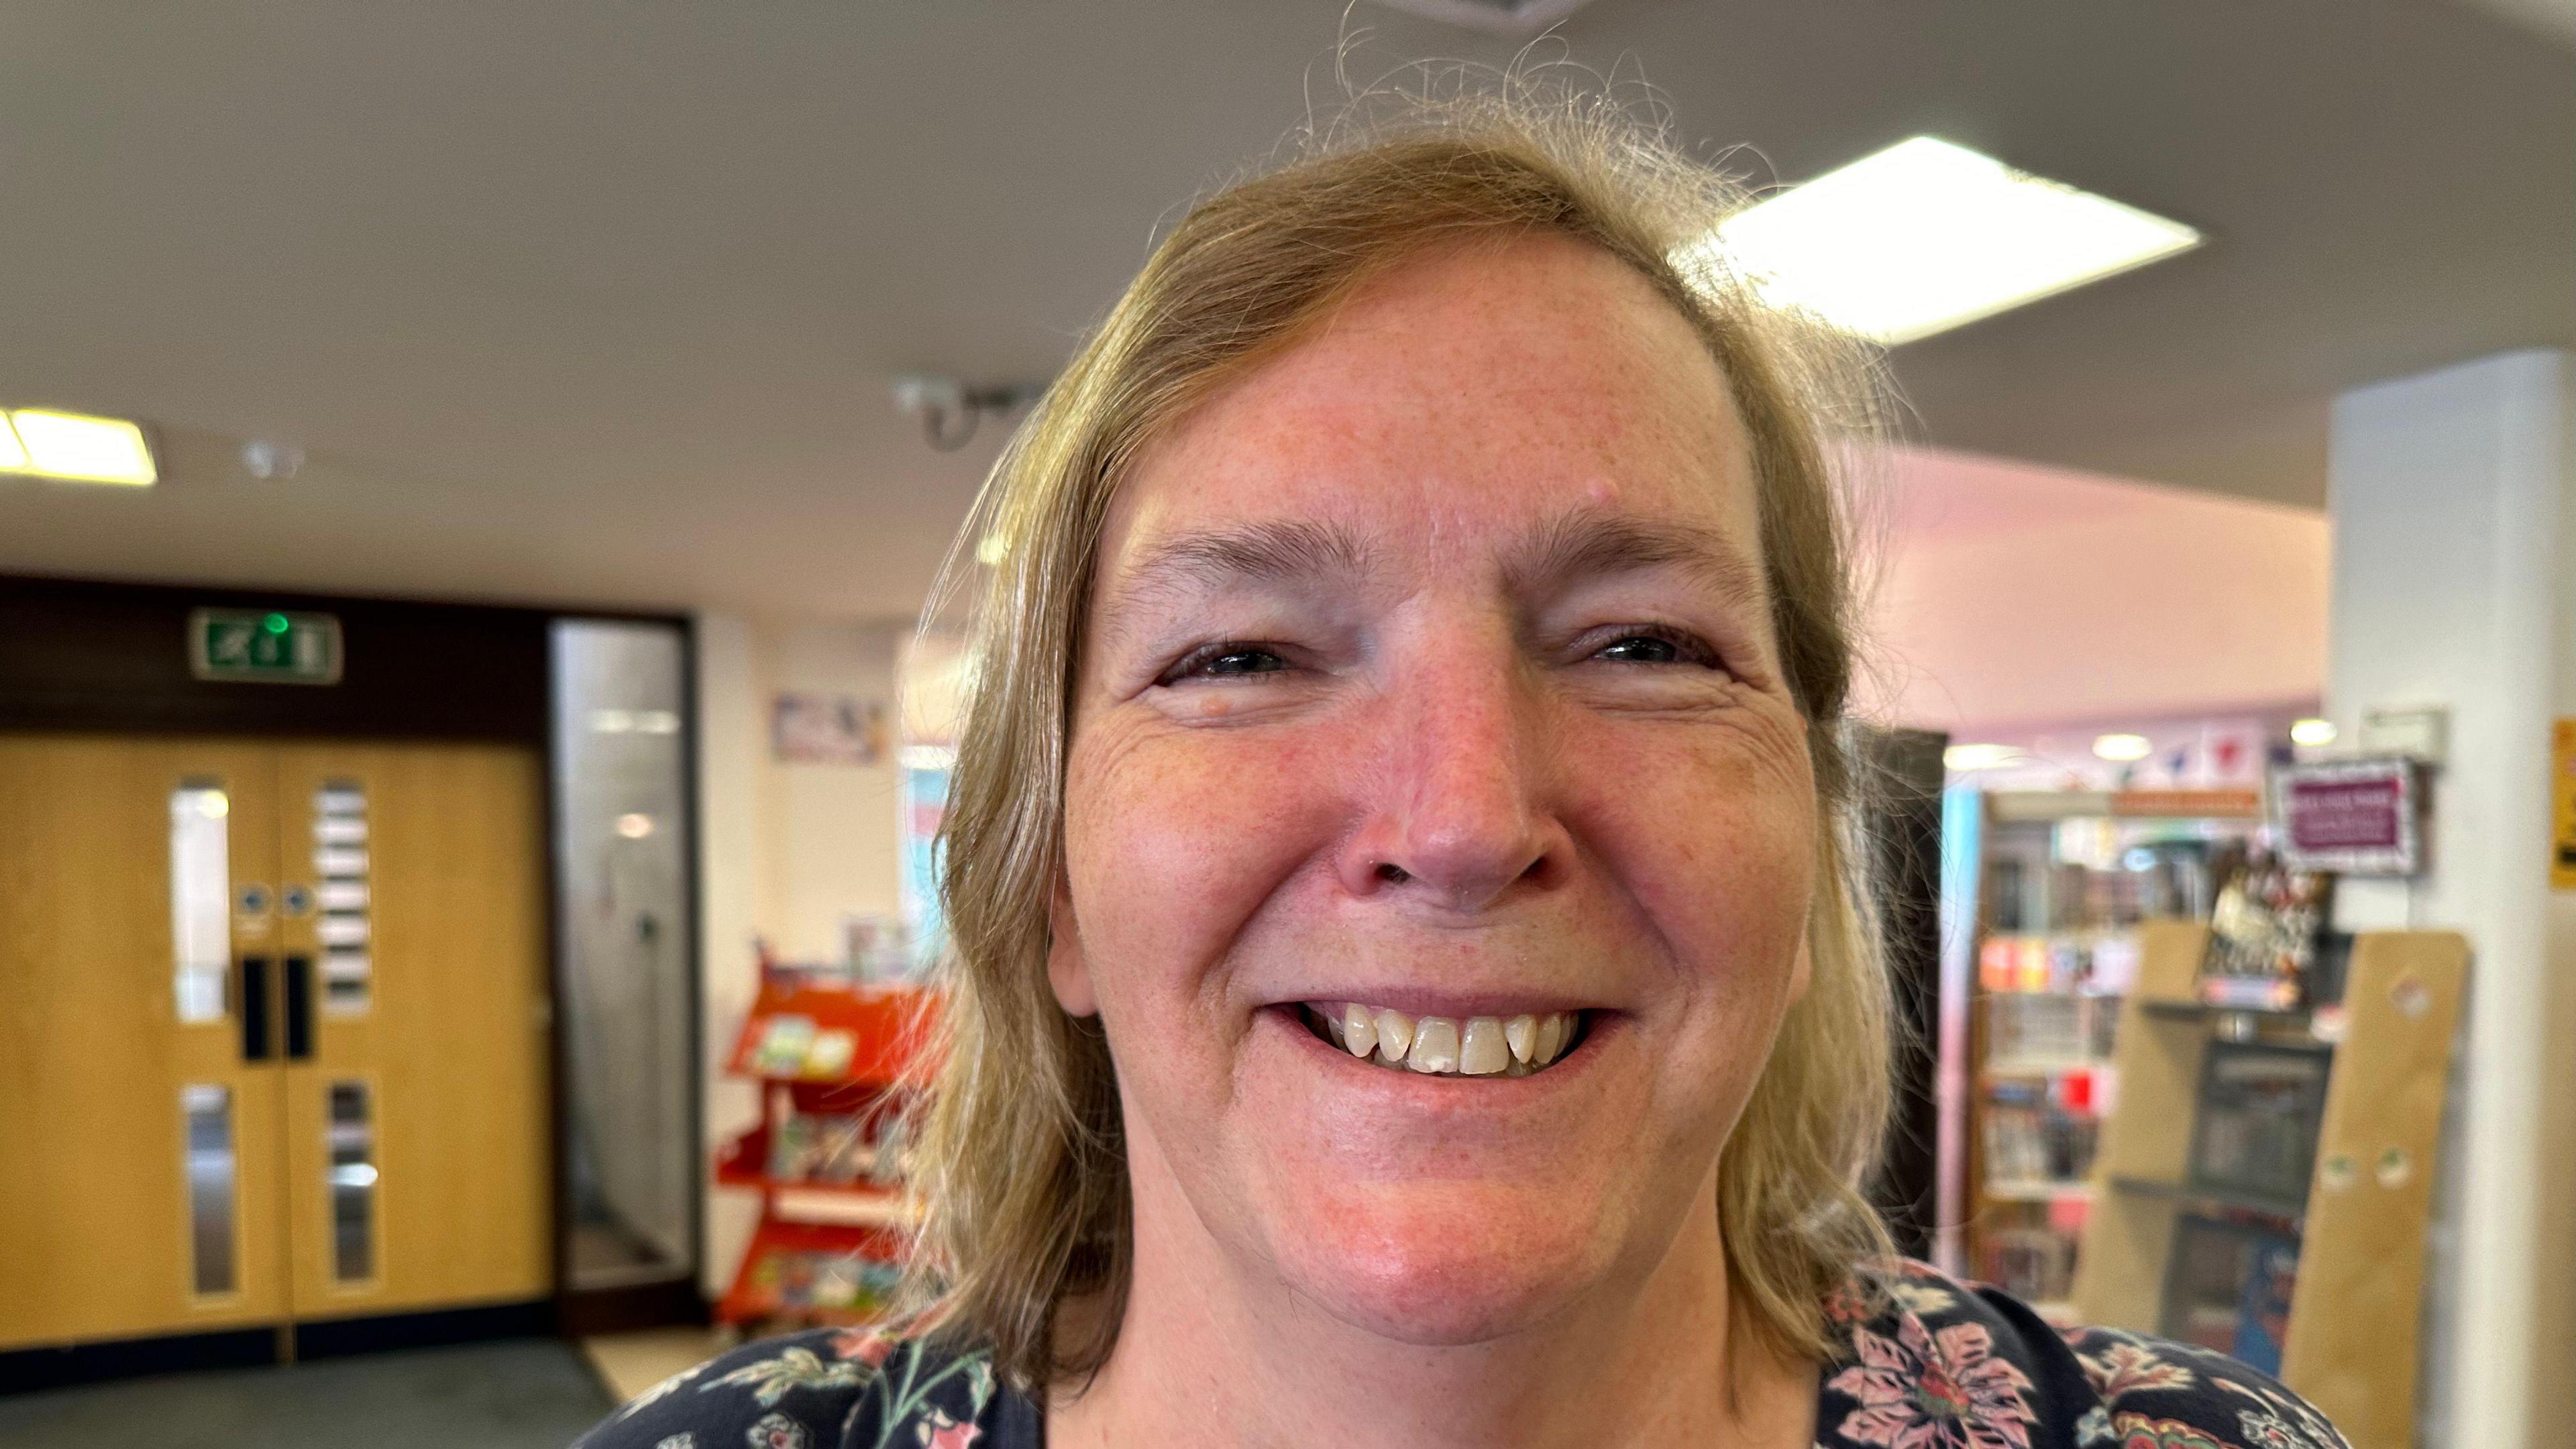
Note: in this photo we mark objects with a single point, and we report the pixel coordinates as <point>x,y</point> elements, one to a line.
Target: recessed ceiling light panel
<point>1978,757</point>
<point>79,448</point>
<point>1927,235</point>
<point>1495,17</point>
<point>2120,749</point>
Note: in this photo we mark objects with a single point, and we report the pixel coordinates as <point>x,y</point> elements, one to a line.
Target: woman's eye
<point>1647,648</point>
<point>1244,661</point>
<point>1224,661</point>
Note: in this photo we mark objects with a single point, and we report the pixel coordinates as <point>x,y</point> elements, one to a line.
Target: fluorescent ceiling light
<point>1927,235</point>
<point>83,449</point>
<point>2312,732</point>
<point>13,458</point>
<point>1978,757</point>
<point>2123,748</point>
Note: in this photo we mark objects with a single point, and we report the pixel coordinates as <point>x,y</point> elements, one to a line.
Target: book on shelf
<point>2032,1136</point>
<point>2229,1289</point>
<point>2265,934</point>
<point>2260,1109</point>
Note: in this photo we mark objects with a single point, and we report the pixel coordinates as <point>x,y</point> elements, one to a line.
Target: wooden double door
<point>272,1033</point>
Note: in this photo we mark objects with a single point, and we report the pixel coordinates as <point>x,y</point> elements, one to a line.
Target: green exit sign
<point>264,646</point>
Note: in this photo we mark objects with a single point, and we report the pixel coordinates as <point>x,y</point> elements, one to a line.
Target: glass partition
<point>627,953</point>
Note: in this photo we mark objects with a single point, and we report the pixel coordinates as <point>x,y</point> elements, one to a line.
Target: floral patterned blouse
<point>1938,1365</point>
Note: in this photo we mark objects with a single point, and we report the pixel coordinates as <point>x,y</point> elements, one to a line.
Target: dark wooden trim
<point>632,1306</point>
<point>29,1370</point>
<point>33,1369</point>
<point>434,1328</point>
<point>114,658</point>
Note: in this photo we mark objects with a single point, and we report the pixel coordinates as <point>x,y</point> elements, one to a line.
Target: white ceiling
<point>2555,19</point>
<point>600,302</point>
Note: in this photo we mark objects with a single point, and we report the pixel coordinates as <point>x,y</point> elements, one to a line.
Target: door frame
<point>105,657</point>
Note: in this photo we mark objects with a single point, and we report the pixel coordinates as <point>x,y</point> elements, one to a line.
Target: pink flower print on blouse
<point>1847,1304</point>
<point>1924,1390</point>
<point>2126,1366</point>
<point>942,1432</point>
<point>2137,1431</point>
<point>868,1346</point>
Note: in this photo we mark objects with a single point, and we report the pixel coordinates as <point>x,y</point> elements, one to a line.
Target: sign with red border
<point>2353,817</point>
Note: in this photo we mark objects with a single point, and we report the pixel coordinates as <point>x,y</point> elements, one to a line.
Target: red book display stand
<point>831,1060</point>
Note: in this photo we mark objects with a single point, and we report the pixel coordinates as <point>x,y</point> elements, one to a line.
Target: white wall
<point>2455,585</point>
<point>789,849</point>
<point>2012,596</point>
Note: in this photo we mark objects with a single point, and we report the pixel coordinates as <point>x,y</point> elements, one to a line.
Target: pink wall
<point>2011,595</point>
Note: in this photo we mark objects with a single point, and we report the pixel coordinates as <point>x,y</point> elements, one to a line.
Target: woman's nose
<point>1459,811</point>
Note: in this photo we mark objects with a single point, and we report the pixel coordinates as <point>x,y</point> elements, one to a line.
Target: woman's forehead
<point>1463,401</point>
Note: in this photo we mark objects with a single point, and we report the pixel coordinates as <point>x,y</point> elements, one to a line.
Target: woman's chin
<point>1446,1265</point>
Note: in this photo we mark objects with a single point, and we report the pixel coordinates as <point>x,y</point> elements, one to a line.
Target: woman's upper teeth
<point>1475,1046</point>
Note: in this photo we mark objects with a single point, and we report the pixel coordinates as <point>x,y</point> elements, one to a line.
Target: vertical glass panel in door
<point>342,896</point>
<point>623,853</point>
<point>200,900</point>
<point>352,1183</point>
<point>213,1171</point>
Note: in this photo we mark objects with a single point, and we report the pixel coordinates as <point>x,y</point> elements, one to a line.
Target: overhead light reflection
<point>2120,749</point>
<point>78,448</point>
<point>1928,235</point>
<point>1964,758</point>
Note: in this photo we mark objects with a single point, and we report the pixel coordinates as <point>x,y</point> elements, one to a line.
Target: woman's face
<point>1429,668</point>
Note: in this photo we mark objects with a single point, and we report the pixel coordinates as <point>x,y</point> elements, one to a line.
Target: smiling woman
<point>1408,981</point>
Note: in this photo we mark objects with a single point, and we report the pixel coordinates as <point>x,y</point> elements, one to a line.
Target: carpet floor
<point>522,1394</point>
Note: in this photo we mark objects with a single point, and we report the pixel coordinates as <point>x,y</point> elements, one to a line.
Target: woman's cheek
<point>1720,858</point>
<point>1177,836</point>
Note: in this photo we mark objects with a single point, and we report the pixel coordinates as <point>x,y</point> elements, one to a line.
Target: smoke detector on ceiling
<point>269,460</point>
<point>1519,18</point>
<point>949,410</point>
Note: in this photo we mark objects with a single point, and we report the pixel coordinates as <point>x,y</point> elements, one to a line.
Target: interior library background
<point>471,760</point>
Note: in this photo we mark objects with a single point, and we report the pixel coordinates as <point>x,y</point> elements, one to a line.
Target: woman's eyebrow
<point>1175,571</point>
<point>1275,551</point>
<point>1587,543</point>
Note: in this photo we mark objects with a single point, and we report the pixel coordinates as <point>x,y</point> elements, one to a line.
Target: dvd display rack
<point>2265,1179</point>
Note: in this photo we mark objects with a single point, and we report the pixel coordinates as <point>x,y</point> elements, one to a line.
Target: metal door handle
<point>299,1008</point>
<point>254,1008</point>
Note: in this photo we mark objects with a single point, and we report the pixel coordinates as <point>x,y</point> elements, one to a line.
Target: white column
<point>2455,585</point>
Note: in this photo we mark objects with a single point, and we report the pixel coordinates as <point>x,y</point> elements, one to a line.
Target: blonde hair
<point>1018,1155</point>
